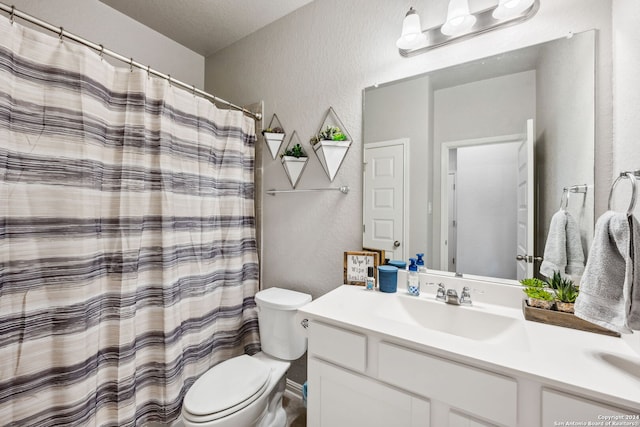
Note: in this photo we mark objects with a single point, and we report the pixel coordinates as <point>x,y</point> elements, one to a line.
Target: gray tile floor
<point>296,412</point>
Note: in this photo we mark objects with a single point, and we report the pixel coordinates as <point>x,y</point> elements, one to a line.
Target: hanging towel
<point>634,258</point>
<point>607,284</point>
<point>563,249</point>
<point>575,254</point>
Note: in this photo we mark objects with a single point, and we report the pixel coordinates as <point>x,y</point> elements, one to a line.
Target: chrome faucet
<point>452,297</point>
<point>465,298</point>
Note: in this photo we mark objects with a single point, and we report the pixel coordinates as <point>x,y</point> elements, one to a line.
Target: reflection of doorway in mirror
<point>481,206</point>
<point>384,202</point>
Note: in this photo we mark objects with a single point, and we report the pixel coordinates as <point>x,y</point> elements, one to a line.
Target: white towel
<point>611,274</point>
<point>575,254</point>
<point>563,249</point>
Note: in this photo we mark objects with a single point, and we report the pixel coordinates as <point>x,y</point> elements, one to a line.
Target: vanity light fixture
<point>459,20</point>
<point>461,24</point>
<point>412,34</point>
<point>508,8</point>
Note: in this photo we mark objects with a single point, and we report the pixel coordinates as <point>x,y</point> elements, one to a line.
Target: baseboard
<point>293,389</point>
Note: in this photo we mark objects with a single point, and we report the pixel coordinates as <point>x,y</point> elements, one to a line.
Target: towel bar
<point>631,175</point>
<point>566,191</point>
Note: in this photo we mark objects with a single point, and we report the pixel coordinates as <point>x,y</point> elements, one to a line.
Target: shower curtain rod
<point>13,12</point>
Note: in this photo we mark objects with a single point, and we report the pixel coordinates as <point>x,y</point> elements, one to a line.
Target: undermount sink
<point>463,321</point>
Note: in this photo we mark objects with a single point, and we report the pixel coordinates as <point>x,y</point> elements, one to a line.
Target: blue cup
<point>399,264</point>
<point>388,278</point>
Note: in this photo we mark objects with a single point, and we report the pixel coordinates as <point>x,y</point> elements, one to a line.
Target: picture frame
<point>355,266</point>
<point>381,258</point>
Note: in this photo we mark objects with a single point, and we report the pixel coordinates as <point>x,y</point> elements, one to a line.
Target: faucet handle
<point>465,297</point>
<point>441,293</point>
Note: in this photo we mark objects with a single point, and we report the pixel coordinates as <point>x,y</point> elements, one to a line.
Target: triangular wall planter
<point>331,152</point>
<point>294,166</point>
<point>274,139</point>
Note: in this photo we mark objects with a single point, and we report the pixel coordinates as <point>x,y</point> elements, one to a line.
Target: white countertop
<point>602,367</point>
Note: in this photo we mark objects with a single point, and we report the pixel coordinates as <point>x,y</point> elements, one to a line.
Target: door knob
<point>396,244</point>
<point>528,258</point>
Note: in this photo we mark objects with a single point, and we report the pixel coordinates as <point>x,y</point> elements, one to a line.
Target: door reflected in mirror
<point>457,187</point>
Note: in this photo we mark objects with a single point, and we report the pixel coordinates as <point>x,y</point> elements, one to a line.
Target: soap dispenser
<point>413,280</point>
<point>420,263</point>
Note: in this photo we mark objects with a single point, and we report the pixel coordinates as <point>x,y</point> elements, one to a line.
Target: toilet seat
<point>226,388</point>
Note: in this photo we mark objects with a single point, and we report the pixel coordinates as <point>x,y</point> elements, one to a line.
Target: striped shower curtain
<point>128,261</point>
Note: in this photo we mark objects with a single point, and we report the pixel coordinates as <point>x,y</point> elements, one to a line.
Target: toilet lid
<point>227,385</point>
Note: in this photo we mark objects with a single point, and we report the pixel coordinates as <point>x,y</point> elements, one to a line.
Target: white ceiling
<point>206,26</point>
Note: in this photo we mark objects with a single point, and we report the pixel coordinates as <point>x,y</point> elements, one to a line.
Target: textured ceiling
<point>206,26</point>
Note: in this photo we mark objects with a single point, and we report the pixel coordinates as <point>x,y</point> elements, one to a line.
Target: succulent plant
<point>273,130</point>
<point>330,133</point>
<point>566,291</point>
<point>296,151</point>
<point>539,293</point>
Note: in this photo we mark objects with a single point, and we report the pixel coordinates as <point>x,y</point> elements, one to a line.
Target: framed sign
<point>356,264</point>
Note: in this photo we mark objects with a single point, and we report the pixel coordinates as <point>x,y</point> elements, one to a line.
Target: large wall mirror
<point>446,154</point>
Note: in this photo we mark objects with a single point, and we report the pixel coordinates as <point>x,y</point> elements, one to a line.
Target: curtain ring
<point>61,34</point>
<point>148,71</point>
<point>632,203</point>
<point>101,52</point>
<point>13,11</point>
<point>194,91</point>
<point>131,65</point>
<point>169,78</point>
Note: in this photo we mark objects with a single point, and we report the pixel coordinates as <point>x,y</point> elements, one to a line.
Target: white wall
<point>404,111</point>
<point>563,142</point>
<point>626,96</point>
<point>101,24</point>
<point>323,55</point>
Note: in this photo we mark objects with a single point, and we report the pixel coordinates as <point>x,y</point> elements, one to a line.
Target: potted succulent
<point>331,145</point>
<point>538,294</point>
<point>274,135</point>
<point>294,160</point>
<point>566,293</point>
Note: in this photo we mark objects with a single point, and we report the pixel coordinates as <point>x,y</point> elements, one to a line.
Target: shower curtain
<point>128,261</point>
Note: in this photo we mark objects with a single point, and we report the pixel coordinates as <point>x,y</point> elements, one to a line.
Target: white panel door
<point>384,198</point>
<point>524,266</point>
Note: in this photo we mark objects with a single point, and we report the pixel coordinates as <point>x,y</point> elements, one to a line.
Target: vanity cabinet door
<point>559,408</point>
<point>484,394</point>
<point>337,397</point>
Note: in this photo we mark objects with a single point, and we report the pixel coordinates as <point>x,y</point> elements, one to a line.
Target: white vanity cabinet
<point>359,380</point>
<point>343,398</point>
<point>559,408</point>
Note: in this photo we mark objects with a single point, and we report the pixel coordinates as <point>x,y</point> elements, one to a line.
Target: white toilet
<point>246,391</point>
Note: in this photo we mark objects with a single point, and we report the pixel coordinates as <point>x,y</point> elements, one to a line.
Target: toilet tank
<point>281,335</point>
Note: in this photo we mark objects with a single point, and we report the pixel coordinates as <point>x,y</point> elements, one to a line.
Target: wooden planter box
<point>559,318</point>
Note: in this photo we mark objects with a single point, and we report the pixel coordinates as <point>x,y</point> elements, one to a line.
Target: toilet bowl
<point>247,391</point>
